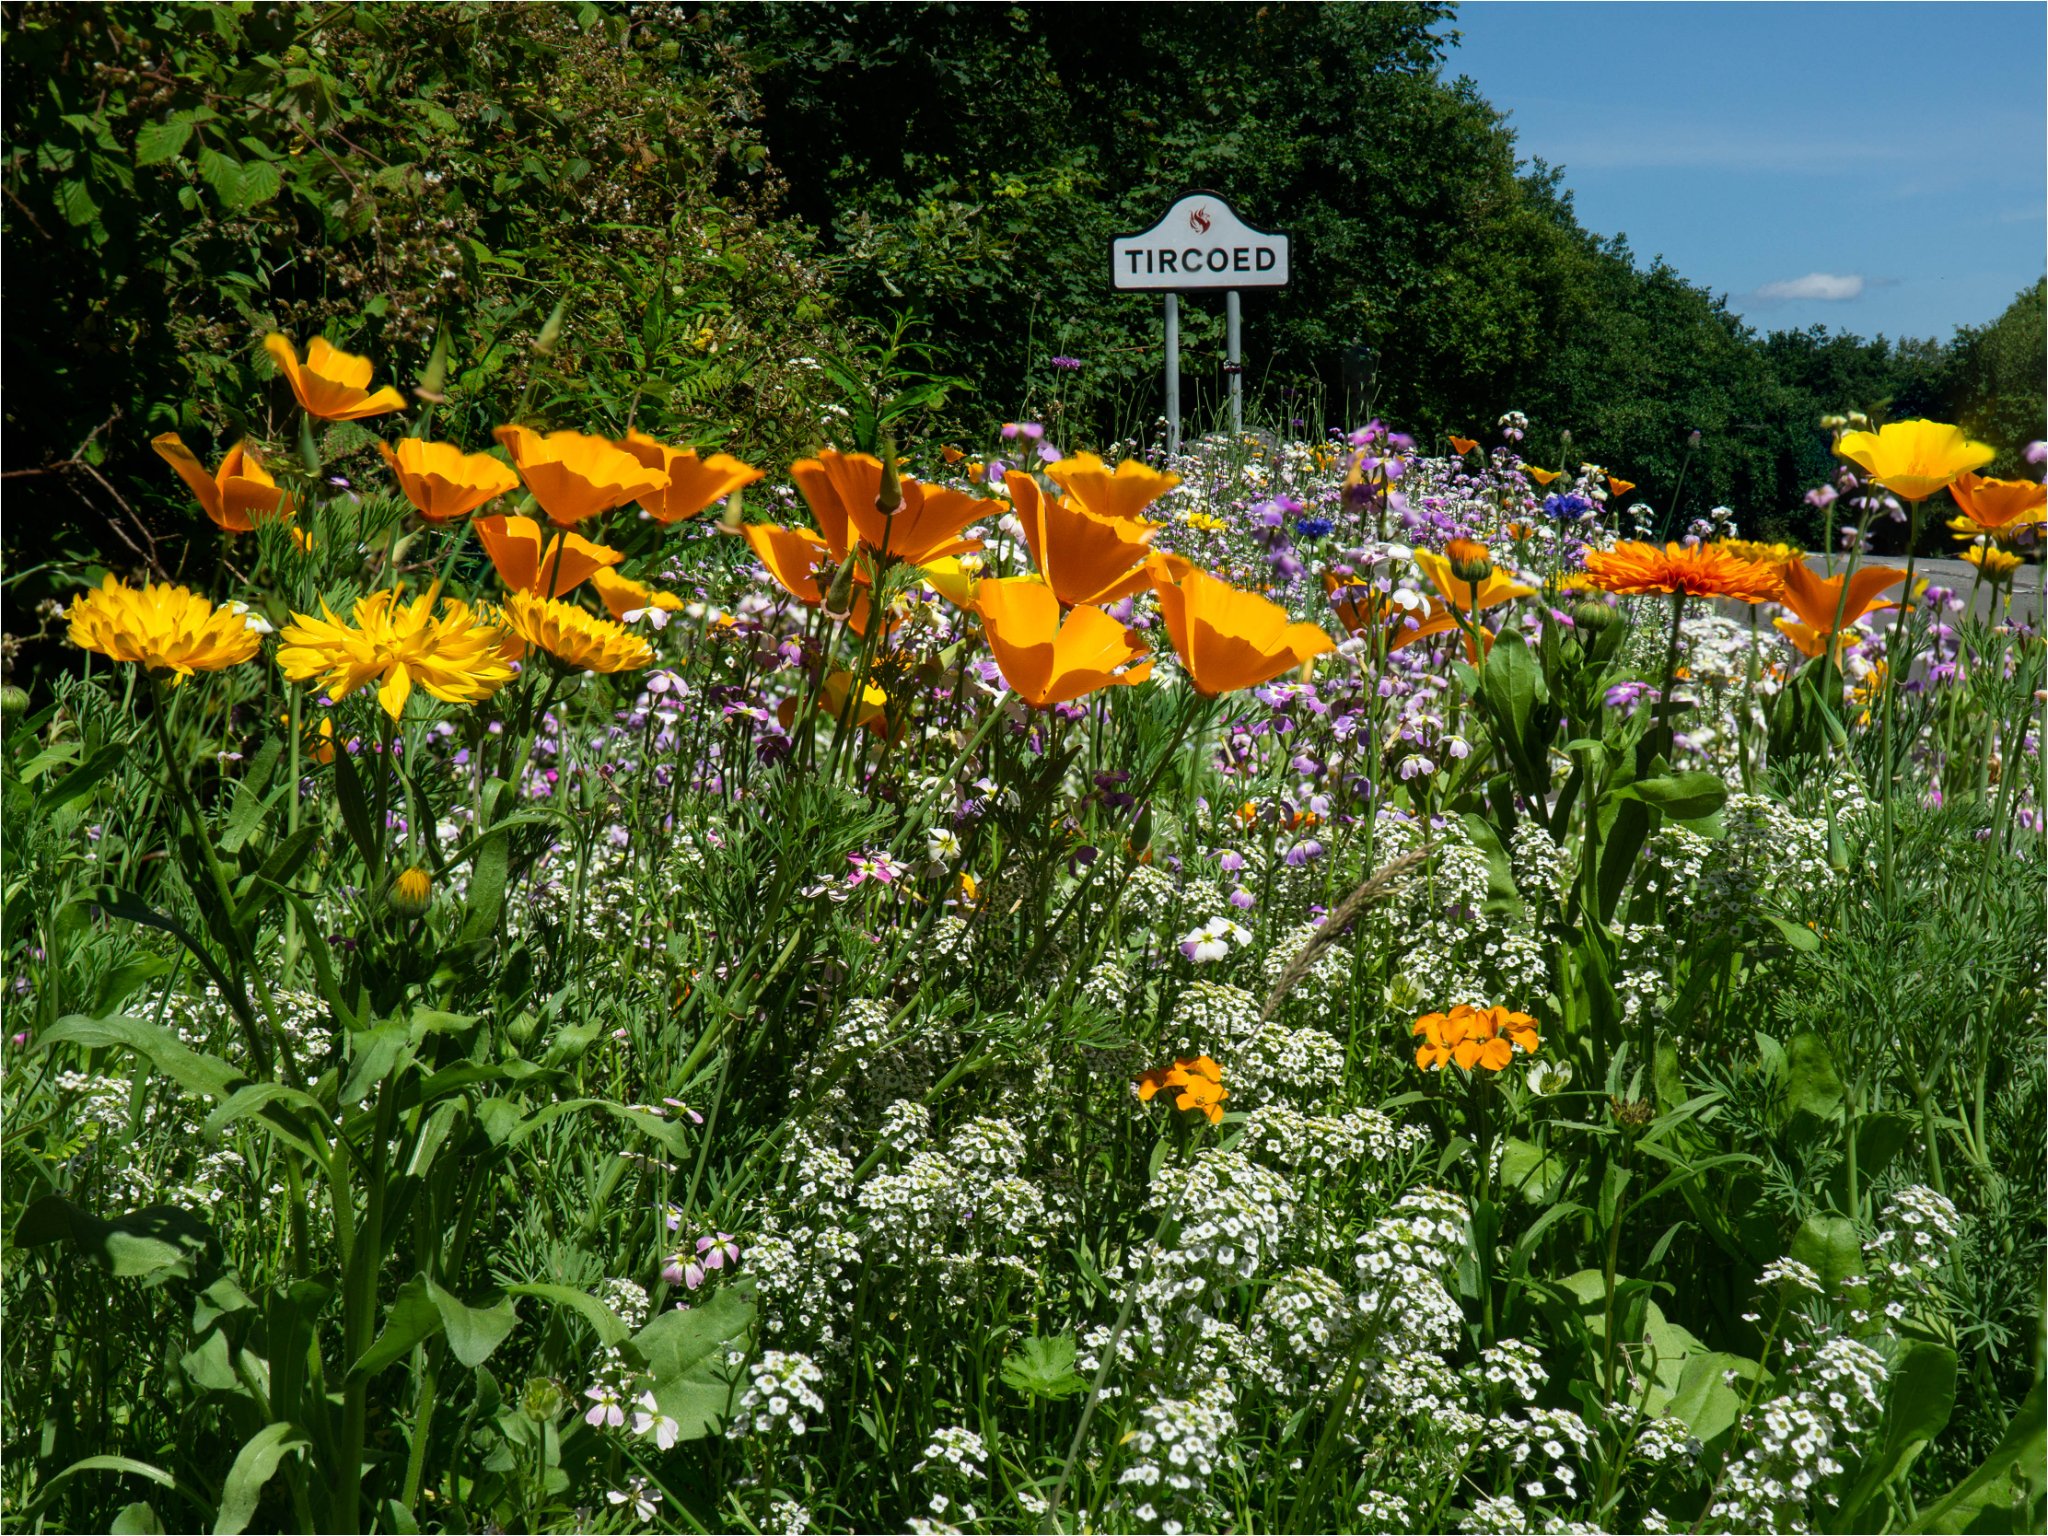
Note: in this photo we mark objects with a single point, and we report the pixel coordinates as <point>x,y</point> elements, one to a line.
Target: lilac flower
<point>1069,364</point>
<point>873,865</point>
<point>605,1409</point>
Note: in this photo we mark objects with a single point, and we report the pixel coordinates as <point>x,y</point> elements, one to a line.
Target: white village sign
<point>1200,242</point>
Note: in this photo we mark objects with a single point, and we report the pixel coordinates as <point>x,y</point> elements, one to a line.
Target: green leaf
<point>473,1332</point>
<point>74,201</point>
<point>83,779</point>
<point>137,1519</point>
<point>1705,1401</point>
<point>412,1319</point>
<point>487,889</point>
<point>1828,1246</point>
<point>2019,1449</point>
<point>684,1350</point>
<point>158,142</point>
<point>1797,935</point>
<point>1044,1368</point>
<point>1810,1080</point>
<point>355,811</point>
<point>1530,1171</point>
<point>189,1069</point>
<point>1919,1397</point>
<point>1682,796</point>
<point>223,173</point>
<point>260,183</point>
<point>268,1103</point>
<point>159,1242</point>
<point>252,1469</point>
<point>603,1320</point>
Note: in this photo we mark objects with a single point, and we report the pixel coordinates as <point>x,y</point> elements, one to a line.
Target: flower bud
<point>411,893</point>
<point>1470,561</point>
<point>551,332</point>
<point>889,499</point>
<point>433,384</point>
<point>1592,615</point>
<point>839,596</point>
<point>542,1398</point>
<point>13,701</point>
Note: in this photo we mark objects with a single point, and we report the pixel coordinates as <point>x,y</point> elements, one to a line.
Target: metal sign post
<point>1200,242</point>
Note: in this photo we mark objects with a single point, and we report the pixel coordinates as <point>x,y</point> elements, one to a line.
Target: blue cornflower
<point>1314,528</point>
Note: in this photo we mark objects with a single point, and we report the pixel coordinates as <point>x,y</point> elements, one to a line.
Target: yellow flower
<point>1197,1079</point>
<point>1206,522</point>
<point>160,627</point>
<point>1115,494</point>
<point>1491,591</point>
<point>1995,565</point>
<point>331,384</point>
<point>574,475</point>
<point>577,639</point>
<point>1483,1037</point>
<point>455,657</point>
<point>1914,459</point>
<point>1541,476</point>
<point>236,494</point>
<point>623,595</point>
<point>412,892</point>
<point>1753,549</point>
<point>442,481</point>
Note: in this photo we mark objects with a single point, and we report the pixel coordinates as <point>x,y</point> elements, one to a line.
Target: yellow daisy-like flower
<point>577,639</point>
<point>160,627</point>
<point>1994,564</point>
<point>455,656</point>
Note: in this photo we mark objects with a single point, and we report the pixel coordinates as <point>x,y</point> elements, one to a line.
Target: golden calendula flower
<point>1481,1037</point>
<point>1705,570</point>
<point>574,475</point>
<point>1197,1082</point>
<point>454,655</point>
<point>331,384</point>
<point>693,483</point>
<point>444,483</point>
<point>412,892</point>
<point>161,628</point>
<point>1997,506</point>
<point>580,641</point>
<point>1914,459</point>
<point>237,494</point>
<point>1994,564</point>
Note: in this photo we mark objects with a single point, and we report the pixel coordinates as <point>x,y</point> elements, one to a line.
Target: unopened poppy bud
<point>1838,851</point>
<point>1565,437</point>
<point>1592,616</point>
<point>1470,561</point>
<point>13,700</point>
<point>551,332</point>
<point>890,497</point>
<point>411,893</point>
<point>839,596</point>
<point>1693,438</point>
<point>433,384</point>
<point>733,513</point>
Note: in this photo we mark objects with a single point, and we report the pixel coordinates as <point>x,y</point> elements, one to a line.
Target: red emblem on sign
<point>1198,221</point>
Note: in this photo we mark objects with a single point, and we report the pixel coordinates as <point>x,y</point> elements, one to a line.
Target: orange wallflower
<point>565,561</point>
<point>1815,600</point>
<point>1047,662</point>
<point>1464,445</point>
<point>444,483</point>
<point>1705,570</point>
<point>693,483</point>
<point>574,475</point>
<point>841,489</point>
<point>1914,459</point>
<point>1482,1037</point>
<point>331,384</point>
<point>236,494</point>
<point>1197,1081</point>
<point>1114,495</point>
<point>1228,639</point>
<point>1083,557</point>
<point>1998,506</point>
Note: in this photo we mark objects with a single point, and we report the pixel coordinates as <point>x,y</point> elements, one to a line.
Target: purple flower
<point>1070,364</point>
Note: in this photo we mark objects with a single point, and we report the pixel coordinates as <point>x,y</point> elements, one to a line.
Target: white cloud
<point>1816,285</point>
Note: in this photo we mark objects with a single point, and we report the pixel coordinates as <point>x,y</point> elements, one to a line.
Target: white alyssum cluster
<point>782,1388</point>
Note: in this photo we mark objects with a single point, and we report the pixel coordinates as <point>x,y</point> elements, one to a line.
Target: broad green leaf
<point>1705,1401</point>
<point>253,1467</point>
<point>1828,1245</point>
<point>2020,1449</point>
<point>191,1070</point>
<point>412,1319</point>
<point>157,1243</point>
<point>1810,1080</point>
<point>603,1320</point>
<point>137,1519</point>
<point>1044,1368</point>
<point>1683,796</point>
<point>685,1351</point>
<point>1919,1398</point>
<point>473,1332</point>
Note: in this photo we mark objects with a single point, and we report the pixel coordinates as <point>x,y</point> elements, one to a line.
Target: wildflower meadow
<point>578,984</point>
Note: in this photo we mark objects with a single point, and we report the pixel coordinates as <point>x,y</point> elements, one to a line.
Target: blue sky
<point>1876,168</point>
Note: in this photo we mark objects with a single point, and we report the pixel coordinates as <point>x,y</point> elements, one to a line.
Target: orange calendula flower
<point>444,483</point>
<point>1473,1037</point>
<point>574,475</point>
<point>1229,639</point>
<point>525,559</point>
<point>1998,506</point>
<point>625,598</point>
<point>1196,1081</point>
<point>841,489</point>
<point>454,656</point>
<point>1117,495</point>
<point>331,384</point>
<point>1464,445</point>
<point>580,641</point>
<point>1814,599</point>
<point>161,628</point>
<point>1541,476</point>
<point>1619,487</point>
<point>1704,570</point>
<point>1048,662</point>
<point>1490,591</point>
<point>1084,557</point>
<point>693,483</point>
<point>236,494</point>
<point>1914,459</point>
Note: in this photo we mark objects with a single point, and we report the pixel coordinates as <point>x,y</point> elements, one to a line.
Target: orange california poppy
<point>523,561</point>
<point>1115,494</point>
<point>1197,1082</point>
<point>1815,598</point>
<point>1084,558</point>
<point>1914,459</point>
<point>841,489</point>
<point>951,454</point>
<point>1481,1037</point>
<point>1360,609</point>
<point>1541,476</point>
<point>574,475</point>
<point>1047,662</point>
<point>236,494</point>
<point>872,713</point>
<point>622,595</point>
<point>1619,487</point>
<point>1491,591</point>
<point>693,483</point>
<point>444,483</point>
<point>1705,570</point>
<point>802,564</point>
<point>1996,506</point>
<point>1464,445</point>
<point>1520,533</point>
<point>331,384</point>
<point>1229,639</point>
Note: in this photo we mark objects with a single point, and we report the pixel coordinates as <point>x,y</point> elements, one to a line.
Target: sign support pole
<point>1232,337</point>
<point>1173,373</point>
